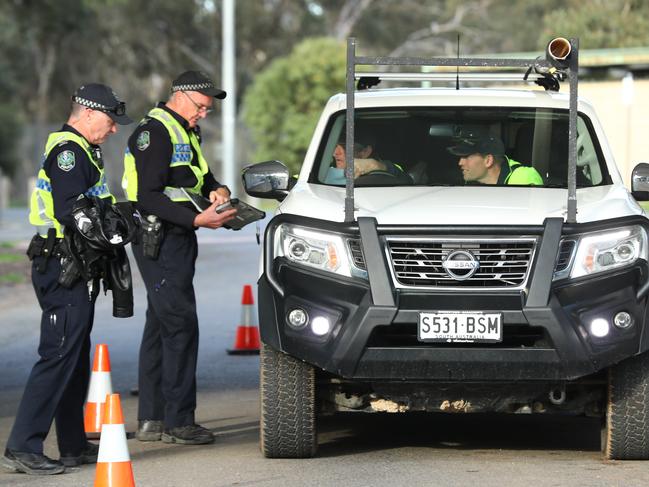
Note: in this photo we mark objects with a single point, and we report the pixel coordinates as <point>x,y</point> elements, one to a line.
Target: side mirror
<point>640,182</point>
<point>268,179</point>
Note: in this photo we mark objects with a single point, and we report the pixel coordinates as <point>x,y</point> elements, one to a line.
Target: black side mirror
<point>268,179</point>
<point>640,182</point>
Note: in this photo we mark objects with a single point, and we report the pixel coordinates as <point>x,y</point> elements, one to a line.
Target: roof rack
<point>532,77</point>
<point>561,62</point>
<point>367,80</point>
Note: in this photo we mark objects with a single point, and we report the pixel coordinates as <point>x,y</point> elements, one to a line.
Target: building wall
<point>626,125</point>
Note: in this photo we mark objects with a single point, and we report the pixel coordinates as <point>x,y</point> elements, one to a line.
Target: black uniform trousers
<point>169,349</point>
<point>57,386</point>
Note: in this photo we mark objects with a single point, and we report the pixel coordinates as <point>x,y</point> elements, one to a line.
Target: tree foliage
<point>601,23</point>
<point>282,106</point>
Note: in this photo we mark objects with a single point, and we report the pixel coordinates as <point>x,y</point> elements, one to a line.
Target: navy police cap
<point>197,81</point>
<point>102,98</point>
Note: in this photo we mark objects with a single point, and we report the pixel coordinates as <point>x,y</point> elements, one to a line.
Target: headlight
<point>322,250</point>
<point>603,251</point>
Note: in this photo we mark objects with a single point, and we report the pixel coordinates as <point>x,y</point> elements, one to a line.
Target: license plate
<point>460,327</point>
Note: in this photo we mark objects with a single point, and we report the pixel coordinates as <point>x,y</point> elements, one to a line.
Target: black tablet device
<point>245,213</point>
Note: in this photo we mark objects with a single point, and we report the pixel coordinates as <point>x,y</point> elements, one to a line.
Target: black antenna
<point>457,68</point>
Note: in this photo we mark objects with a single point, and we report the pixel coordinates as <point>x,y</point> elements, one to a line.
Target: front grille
<point>501,263</point>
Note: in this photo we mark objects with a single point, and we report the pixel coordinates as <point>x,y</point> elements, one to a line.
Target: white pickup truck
<point>418,273</point>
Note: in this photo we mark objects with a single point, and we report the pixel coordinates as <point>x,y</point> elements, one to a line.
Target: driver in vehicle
<point>483,160</point>
<point>363,162</point>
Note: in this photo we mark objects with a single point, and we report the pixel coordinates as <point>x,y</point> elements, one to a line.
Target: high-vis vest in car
<point>182,155</point>
<point>520,174</point>
<point>41,213</point>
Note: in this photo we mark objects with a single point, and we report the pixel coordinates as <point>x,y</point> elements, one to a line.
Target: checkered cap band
<point>193,87</point>
<point>89,103</point>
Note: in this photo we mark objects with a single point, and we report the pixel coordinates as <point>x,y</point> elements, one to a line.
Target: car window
<point>413,146</point>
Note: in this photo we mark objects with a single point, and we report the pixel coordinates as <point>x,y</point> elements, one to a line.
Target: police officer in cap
<point>164,169</point>
<point>56,388</point>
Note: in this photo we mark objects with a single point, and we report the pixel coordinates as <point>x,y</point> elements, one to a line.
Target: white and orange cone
<point>100,387</point>
<point>114,467</point>
<point>247,339</point>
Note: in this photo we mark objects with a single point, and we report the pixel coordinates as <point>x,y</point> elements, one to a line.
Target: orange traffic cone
<point>113,461</point>
<point>247,339</point>
<point>100,387</point>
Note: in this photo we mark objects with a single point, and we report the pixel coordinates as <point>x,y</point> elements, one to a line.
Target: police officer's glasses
<point>199,108</point>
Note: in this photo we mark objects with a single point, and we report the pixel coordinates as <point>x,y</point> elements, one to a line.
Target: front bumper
<point>545,334</point>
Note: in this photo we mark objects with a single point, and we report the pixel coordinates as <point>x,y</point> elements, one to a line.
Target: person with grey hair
<point>72,166</point>
<point>166,174</point>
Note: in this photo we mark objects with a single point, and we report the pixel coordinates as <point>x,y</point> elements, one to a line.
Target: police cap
<point>197,81</point>
<point>102,98</point>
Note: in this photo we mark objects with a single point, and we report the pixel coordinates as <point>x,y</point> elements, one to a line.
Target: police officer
<point>56,388</point>
<point>164,169</point>
<point>483,160</point>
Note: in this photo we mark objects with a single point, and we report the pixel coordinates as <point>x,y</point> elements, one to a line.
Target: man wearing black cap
<point>164,170</point>
<point>483,160</point>
<point>71,166</point>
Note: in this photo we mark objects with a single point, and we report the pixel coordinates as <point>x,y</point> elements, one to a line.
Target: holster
<point>151,235</point>
<point>71,267</point>
<point>42,247</point>
<point>36,246</point>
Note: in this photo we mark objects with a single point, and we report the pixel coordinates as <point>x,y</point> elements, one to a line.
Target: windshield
<point>460,146</point>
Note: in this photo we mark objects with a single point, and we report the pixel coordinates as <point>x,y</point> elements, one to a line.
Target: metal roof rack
<point>561,62</point>
<point>532,77</point>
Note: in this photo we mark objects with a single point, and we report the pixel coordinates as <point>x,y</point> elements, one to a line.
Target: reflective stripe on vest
<point>41,213</point>
<point>182,143</point>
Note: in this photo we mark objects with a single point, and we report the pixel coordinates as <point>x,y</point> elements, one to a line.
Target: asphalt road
<point>355,449</point>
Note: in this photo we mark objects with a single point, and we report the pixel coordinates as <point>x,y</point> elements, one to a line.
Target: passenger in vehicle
<point>483,160</point>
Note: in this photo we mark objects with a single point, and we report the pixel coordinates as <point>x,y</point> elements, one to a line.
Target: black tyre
<point>625,433</point>
<point>287,423</point>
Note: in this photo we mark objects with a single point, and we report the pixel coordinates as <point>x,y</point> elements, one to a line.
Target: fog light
<point>623,320</point>
<point>320,325</point>
<point>298,318</point>
<point>599,327</point>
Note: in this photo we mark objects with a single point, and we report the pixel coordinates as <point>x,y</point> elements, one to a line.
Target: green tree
<point>600,23</point>
<point>282,105</point>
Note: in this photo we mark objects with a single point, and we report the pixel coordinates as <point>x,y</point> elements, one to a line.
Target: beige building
<point>624,114</point>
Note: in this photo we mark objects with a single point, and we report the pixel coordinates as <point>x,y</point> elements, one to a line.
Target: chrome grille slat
<point>504,263</point>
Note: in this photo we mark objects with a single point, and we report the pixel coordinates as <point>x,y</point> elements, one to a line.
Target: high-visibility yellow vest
<point>520,174</point>
<point>41,206</point>
<point>182,155</point>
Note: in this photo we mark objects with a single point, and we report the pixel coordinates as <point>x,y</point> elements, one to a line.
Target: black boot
<point>31,463</point>
<point>87,456</point>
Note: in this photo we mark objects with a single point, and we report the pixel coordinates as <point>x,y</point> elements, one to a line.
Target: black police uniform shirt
<point>154,173</point>
<point>70,179</point>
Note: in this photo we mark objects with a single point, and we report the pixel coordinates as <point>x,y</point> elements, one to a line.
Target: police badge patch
<point>143,140</point>
<point>65,160</point>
